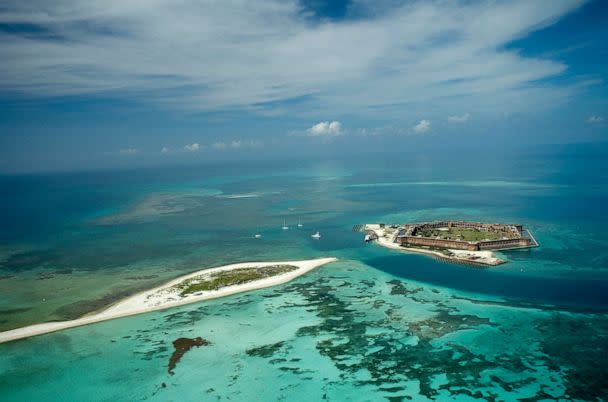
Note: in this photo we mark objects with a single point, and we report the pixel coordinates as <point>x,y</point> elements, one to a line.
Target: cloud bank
<point>214,56</point>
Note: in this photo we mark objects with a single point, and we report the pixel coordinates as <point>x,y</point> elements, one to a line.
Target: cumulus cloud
<point>227,55</point>
<point>459,119</point>
<point>192,147</point>
<point>423,126</point>
<point>595,119</point>
<point>325,128</point>
<point>128,151</point>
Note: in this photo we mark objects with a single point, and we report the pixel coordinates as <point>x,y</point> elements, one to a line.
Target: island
<point>201,285</point>
<point>469,243</point>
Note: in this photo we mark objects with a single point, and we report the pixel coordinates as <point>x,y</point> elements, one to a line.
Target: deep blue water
<point>575,293</point>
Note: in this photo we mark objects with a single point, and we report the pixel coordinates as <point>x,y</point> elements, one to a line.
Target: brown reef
<point>182,345</point>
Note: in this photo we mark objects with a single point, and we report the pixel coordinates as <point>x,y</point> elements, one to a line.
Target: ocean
<point>376,325</point>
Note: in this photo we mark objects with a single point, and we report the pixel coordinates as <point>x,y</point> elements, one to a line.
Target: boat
<point>257,235</point>
<point>368,238</point>
<point>317,235</point>
<point>299,223</point>
<point>285,227</point>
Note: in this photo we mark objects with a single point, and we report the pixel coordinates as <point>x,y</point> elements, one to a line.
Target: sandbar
<point>167,296</point>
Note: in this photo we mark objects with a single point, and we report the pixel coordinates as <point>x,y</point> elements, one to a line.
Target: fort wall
<point>426,241</point>
<point>408,236</point>
<point>503,244</point>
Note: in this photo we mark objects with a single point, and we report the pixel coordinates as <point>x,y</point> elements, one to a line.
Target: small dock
<point>536,244</point>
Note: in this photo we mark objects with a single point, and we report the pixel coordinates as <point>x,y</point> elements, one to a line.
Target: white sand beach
<point>167,296</point>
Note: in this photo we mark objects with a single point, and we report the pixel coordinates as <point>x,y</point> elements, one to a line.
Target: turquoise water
<point>376,325</point>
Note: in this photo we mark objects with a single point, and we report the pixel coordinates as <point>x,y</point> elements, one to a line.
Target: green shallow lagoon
<point>376,325</point>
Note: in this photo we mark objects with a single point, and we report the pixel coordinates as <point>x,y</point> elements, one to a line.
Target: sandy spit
<point>164,297</point>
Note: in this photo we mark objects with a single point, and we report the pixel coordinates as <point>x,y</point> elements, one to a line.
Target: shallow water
<point>344,332</point>
<point>377,324</point>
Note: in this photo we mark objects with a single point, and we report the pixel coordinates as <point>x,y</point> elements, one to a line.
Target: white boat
<point>367,238</point>
<point>316,235</point>
<point>257,235</point>
<point>285,227</point>
<point>299,223</point>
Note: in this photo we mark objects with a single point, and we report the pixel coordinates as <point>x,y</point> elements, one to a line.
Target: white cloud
<point>192,147</point>
<point>595,119</point>
<point>129,151</point>
<point>459,119</point>
<point>164,150</point>
<point>233,55</point>
<point>325,128</point>
<point>423,126</point>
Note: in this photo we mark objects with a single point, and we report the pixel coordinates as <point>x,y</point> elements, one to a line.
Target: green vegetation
<point>218,280</point>
<point>466,234</point>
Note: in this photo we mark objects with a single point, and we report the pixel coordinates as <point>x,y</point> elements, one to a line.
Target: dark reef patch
<point>398,288</point>
<point>141,277</point>
<point>389,360</point>
<point>11,311</point>
<point>182,345</point>
<point>444,323</point>
<point>24,261</point>
<point>266,350</point>
<point>579,348</point>
<point>65,271</point>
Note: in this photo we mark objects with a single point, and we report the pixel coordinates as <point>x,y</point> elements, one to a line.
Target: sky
<point>128,83</point>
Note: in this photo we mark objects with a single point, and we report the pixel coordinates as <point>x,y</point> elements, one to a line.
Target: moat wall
<point>425,241</point>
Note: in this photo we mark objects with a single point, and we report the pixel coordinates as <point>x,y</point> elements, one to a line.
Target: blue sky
<point>114,83</point>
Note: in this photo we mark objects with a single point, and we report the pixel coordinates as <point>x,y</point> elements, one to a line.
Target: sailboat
<point>317,235</point>
<point>285,227</point>
<point>299,223</point>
